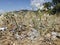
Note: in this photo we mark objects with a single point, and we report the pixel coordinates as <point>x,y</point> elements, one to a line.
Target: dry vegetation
<point>29,28</point>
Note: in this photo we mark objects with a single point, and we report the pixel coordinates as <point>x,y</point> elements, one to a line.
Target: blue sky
<point>9,5</point>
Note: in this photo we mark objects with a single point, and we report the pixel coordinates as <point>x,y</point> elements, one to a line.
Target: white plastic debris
<point>54,33</point>
<point>3,28</point>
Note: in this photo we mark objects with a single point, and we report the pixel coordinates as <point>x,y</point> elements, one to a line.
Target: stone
<point>33,34</point>
<point>54,34</point>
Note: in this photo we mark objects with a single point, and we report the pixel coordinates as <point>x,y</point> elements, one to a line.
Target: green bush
<point>56,9</point>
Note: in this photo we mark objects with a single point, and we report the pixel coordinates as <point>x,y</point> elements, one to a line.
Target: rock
<point>58,35</point>
<point>17,36</point>
<point>48,35</point>
<point>54,34</point>
<point>41,38</point>
<point>33,34</point>
<point>13,43</point>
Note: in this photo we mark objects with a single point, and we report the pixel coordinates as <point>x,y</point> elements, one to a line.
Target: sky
<point>10,5</point>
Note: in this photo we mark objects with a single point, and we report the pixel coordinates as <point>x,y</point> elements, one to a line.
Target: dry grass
<point>21,23</point>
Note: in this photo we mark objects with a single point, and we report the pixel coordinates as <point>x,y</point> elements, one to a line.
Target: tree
<point>55,2</point>
<point>47,5</point>
<point>56,8</point>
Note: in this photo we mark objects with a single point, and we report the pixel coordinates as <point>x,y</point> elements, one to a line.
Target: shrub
<point>56,9</point>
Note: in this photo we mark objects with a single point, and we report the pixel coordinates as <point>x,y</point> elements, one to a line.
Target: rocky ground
<point>29,28</point>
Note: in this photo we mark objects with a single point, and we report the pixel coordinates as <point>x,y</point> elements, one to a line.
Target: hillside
<point>28,27</point>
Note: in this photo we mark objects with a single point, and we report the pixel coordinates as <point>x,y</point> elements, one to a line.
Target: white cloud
<point>37,3</point>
